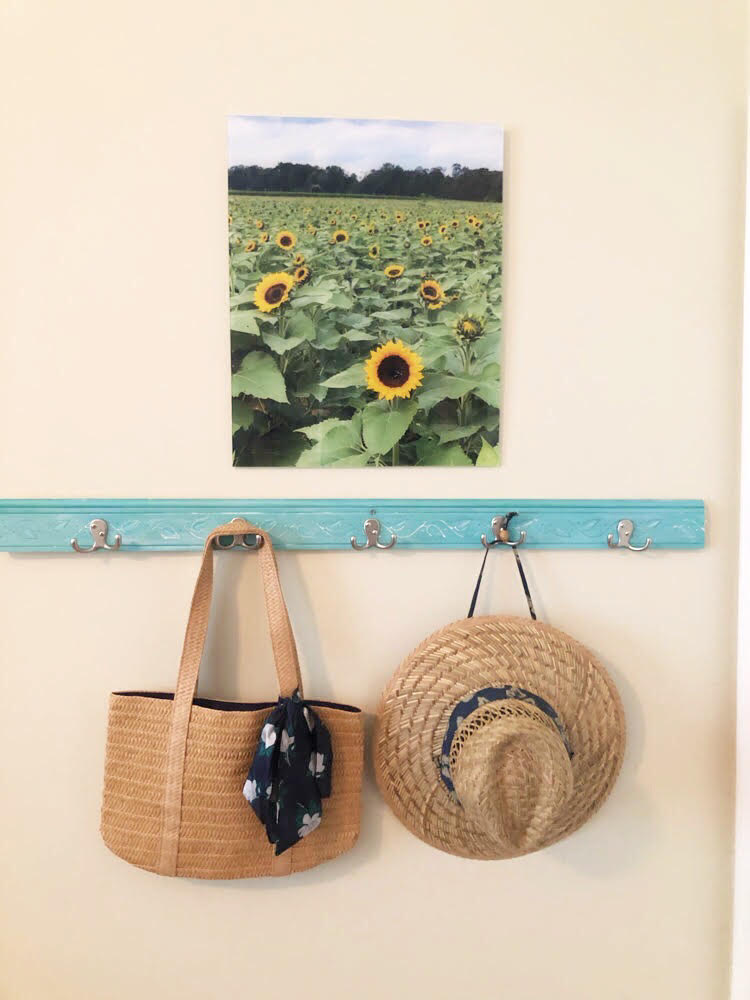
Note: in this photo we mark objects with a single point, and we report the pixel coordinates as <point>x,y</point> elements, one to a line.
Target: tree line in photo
<point>462,183</point>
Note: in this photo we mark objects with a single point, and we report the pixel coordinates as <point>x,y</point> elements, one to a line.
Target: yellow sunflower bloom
<point>250,246</point>
<point>333,220</point>
<point>299,259</point>
<point>442,230</point>
<point>432,293</point>
<point>455,223</point>
<point>340,236</point>
<point>273,290</point>
<point>426,241</point>
<point>264,237</point>
<point>374,251</point>
<point>301,275</point>
<point>393,370</point>
<point>399,216</point>
<point>393,271</point>
<point>421,224</point>
<point>471,219</point>
<point>230,220</point>
<point>285,239</point>
<point>259,223</point>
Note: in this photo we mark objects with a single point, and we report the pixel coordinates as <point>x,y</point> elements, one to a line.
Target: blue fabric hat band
<point>472,702</point>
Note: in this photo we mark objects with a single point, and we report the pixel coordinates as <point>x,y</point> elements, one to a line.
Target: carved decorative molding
<point>180,525</point>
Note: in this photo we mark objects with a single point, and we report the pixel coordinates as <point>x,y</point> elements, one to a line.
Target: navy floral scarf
<point>291,773</point>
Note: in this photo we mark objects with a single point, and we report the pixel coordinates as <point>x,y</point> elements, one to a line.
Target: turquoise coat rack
<point>145,525</point>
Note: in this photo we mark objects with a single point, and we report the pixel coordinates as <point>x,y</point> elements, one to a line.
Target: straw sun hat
<point>498,736</point>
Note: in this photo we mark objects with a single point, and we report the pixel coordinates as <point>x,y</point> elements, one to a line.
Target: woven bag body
<point>175,764</point>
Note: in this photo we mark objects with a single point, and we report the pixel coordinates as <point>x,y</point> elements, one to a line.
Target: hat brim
<point>455,662</point>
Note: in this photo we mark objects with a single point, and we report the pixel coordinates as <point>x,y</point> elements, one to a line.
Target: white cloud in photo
<point>358,145</point>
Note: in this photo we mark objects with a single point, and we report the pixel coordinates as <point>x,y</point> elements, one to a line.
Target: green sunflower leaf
<point>488,455</point>
<point>280,345</point>
<point>315,432</point>
<point>243,414</point>
<point>393,315</point>
<point>383,426</point>
<point>352,376</point>
<point>244,321</point>
<point>259,376</point>
<point>337,446</point>
<point>445,454</point>
<point>438,387</point>
<point>300,325</point>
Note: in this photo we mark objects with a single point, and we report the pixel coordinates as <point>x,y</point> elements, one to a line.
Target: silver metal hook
<point>372,537</point>
<point>625,529</point>
<point>501,533</point>
<point>99,530</point>
<point>238,541</point>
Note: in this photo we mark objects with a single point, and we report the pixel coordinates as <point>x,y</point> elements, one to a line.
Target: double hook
<point>501,533</point>
<point>372,537</point>
<point>99,529</point>
<point>625,529</point>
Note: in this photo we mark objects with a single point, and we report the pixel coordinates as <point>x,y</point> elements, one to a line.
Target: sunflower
<point>264,237</point>
<point>312,230</point>
<point>285,239</point>
<point>393,370</point>
<point>230,220</point>
<point>455,223</point>
<point>273,290</point>
<point>432,293</point>
<point>299,259</point>
<point>399,216</point>
<point>442,230</point>
<point>426,241</point>
<point>372,228</point>
<point>250,245</point>
<point>340,236</point>
<point>471,219</point>
<point>393,271</point>
<point>374,251</point>
<point>469,328</point>
<point>421,224</point>
<point>259,223</point>
<point>301,275</point>
<point>333,220</point>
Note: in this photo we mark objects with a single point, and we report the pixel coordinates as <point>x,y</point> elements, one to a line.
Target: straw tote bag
<point>176,765</point>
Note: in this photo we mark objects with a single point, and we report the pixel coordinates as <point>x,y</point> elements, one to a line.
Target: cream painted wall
<point>623,285</point>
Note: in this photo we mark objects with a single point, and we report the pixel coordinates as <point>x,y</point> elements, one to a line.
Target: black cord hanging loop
<point>502,530</point>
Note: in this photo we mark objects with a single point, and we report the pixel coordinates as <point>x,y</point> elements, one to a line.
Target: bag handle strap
<point>284,653</point>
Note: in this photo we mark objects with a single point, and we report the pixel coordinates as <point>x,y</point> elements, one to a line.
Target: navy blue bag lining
<point>230,706</point>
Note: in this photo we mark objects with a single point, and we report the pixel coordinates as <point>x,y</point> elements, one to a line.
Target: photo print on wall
<point>365,267</point>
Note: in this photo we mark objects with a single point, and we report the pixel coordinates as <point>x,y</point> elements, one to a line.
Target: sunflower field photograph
<point>365,288</point>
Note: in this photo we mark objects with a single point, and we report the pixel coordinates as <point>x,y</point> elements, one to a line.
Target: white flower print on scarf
<point>286,742</point>
<point>268,735</point>
<point>316,765</point>
<point>309,823</point>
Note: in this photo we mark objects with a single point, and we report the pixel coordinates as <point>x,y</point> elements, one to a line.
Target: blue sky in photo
<point>359,144</point>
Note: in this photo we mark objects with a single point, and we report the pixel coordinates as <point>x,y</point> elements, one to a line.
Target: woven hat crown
<point>512,773</point>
